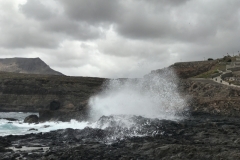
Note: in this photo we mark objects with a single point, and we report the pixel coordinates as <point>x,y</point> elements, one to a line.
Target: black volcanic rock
<point>197,137</point>
<point>26,65</point>
<point>31,119</point>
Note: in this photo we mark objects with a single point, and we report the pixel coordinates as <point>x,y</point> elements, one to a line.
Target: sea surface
<point>19,128</point>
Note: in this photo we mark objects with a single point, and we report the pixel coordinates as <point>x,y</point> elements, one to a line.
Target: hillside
<point>26,65</point>
<point>189,69</point>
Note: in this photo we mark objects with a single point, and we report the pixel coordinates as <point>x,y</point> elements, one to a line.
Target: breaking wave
<point>124,108</point>
<point>155,96</point>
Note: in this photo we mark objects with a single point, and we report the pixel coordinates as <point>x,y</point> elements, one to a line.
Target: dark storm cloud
<point>57,23</point>
<point>73,29</point>
<point>93,11</point>
<point>133,18</point>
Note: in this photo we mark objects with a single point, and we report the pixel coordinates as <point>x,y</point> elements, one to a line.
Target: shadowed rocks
<point>31,119</point>
<point>197,137</point>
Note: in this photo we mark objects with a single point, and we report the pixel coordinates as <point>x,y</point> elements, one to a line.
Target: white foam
<point>19,128</point>
<point>152,97</point>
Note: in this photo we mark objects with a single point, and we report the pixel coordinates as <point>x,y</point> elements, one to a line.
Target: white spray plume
<point>154,96</point>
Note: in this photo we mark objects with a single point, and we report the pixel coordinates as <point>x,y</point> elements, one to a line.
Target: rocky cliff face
<point>52,96</point>
<point>26,65</point>
<point>211,98</point>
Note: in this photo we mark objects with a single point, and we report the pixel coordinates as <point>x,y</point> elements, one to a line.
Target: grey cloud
<point>188,22</point>
<point>24,39</point>
<point>140,26</point>
<point>74,29</point>
<point>35,9</point>
<point>91,11</point>
<point>56,22</point>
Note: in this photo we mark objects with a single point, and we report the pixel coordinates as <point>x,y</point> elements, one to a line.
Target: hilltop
<point>26,65</point>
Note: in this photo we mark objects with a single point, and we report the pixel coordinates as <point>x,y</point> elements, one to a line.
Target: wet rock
<point>31,119</point>
<point>192,138</point>
<point>46,126</point>
<point>10,119</point>
<point>33,129</point>
<point>18,146</point>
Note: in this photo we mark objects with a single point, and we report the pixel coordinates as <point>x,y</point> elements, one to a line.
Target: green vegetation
<point>214,70</point>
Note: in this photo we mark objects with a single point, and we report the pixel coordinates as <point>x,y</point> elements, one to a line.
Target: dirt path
<point>214,80</point>
<point>220,80</point>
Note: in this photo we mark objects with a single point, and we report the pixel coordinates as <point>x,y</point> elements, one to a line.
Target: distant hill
<point>26,65</point>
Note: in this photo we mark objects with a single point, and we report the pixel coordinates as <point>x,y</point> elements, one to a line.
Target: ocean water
<point>16,115</point>
<point>20,128</point>
<point>121,103</point>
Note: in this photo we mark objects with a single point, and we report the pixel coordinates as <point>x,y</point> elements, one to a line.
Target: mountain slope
<point>26,65</point>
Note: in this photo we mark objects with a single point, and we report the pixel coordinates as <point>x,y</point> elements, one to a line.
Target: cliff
<point>52,96</point>
<point>208,97</point>
<point>26,65</point>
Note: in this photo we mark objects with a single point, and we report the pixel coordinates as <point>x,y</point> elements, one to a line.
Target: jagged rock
<point>33,129</point>
<point>31,119</point>
<point>197,137</point>
<point>3,144</point>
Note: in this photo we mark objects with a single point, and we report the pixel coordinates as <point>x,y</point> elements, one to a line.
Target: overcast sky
<point>118,38</point>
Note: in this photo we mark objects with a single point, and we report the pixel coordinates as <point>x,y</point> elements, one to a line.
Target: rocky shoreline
<point>199,136</point>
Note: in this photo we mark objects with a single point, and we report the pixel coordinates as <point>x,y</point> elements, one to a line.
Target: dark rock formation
<point>10,119</point>
<point>3,144</point>
<point>26,65</point>
<point>31,119</point>
<point>197,137</point>
<point>46,93</point>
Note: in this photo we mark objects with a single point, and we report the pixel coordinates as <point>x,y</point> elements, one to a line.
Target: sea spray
<point>124,108</point>
<point>155,96</point>
<point>136,107</point>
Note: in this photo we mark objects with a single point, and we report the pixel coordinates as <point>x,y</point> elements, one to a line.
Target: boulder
<point>31,119</point>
